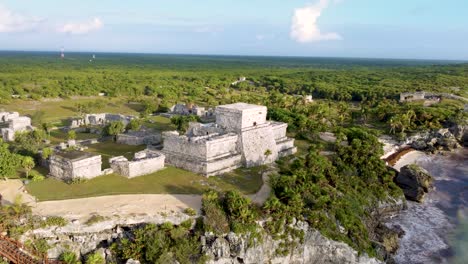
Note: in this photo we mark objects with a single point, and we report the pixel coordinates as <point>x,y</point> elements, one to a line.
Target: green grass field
<point>167,181</point>
<point>58,136</point>
<point>60,109</point>
<point>111,149</point>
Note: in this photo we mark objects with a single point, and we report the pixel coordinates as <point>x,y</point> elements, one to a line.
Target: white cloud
<point>304,26</point>
<point>82,27</point>
<point>13,22</point>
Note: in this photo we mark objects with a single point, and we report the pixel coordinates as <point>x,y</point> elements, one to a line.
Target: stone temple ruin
<point>71,165</point>
<point>189,109</point>
<point>409,97</point>
<point>100,120</point>
<point>12,122</point>
<point>144,162</point>
<point>241,136</point>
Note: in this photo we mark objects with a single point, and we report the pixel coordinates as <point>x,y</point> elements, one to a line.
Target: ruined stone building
<point>190,109</point>
<point>241,136</point>
<point>145,162</point>
<point>70,165</point>
<point>100,120</point>
<point>409,97</point>
<point>12,122</point>
<point>142,137</point>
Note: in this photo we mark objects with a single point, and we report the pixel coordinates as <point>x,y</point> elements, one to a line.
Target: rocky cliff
<point>314,248</point>
<point>228,249</point>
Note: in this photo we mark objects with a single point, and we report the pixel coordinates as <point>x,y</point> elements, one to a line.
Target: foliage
<point>114,128</point>
<point>36,176</point>
<point>336,195</point>
<point>28,164</point>
<point>182,122</point>
<point>71,135</point>
<point>69,257</point>
<point>161,244</point>
<point>215,219</point>
<point>9,162</point>
<point>95,258</point>
<point>190,211</point>
<point>134,124</point>
<point>95,218</point>
<point>54,221</point>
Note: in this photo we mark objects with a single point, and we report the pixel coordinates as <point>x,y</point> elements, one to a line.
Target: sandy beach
<point>408,158</point>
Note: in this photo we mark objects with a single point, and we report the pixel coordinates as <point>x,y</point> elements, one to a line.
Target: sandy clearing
<point>118,205</point>
<point>10,189</point>
<point>409,158</point>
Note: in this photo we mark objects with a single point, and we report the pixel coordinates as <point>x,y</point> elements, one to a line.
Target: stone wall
<point>255,142</point>
<point>279,130</point>
<point>236,117</point>
<point>15,123</point>
<point>104,118</point>
<point>68,169</point>
<point>138,139</point>
<point>145,162</point>
<point>208,168</point>
<point>7,116</point>
<point>183,144</point>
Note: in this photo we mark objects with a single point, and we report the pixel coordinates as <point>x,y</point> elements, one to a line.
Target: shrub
<point>54,221</point>
<point>69,257</point>
<point>190,211</point>
<point>95,258</point>
<point>36,176</point>
<point>95,218</point>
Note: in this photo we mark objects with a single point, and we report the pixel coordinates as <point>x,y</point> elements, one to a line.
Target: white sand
<point>408,158</point>
<point>118,205</point>
<point>10,189</point>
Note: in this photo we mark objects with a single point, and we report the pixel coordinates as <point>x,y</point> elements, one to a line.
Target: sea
<point>436,231</point>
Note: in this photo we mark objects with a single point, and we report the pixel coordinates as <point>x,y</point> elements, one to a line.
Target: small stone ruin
<point>144,162</point>
<point>12,122</point>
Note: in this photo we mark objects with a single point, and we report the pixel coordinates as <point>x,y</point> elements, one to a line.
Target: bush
<point>190,211</point>
<point>69,257</point>
<point>95,258</point>
<point>54,221</point>
<point>95,219</point>
<point>36,176</point>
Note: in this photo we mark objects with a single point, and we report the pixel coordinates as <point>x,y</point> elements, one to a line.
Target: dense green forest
<point>198,78</point>
<point>357,99</point>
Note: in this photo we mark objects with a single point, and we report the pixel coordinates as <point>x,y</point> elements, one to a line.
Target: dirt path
<point>119,205</point>
<point>262,195</point>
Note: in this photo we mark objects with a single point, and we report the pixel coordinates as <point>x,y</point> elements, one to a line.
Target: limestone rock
<point>419,145</point>
<point>233,249</point>
<point>132,261</point>
<point>414,181</point>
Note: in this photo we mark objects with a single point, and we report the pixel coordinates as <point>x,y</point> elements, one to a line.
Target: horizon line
<point>241,55</point>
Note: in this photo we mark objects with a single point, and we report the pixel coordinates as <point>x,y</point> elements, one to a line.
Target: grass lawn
<point>58,136</point>
<point>159,123</point>
<point>57,110</point>
<point>168,181</point>
<point>111,149</point>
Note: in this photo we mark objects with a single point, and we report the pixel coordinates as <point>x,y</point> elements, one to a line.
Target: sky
<point>412,29</point>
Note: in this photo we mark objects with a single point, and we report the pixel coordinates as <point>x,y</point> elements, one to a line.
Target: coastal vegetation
<point>336,194</point>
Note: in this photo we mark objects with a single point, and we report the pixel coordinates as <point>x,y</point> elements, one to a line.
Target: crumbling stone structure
<point>136,138</point>
<point>12,122</point>
<point>100,120</point>
<point>241,136</point>
<point>71,165</point>
<point>409,97</point>
<point>145,162</point>
<point>190,109</point>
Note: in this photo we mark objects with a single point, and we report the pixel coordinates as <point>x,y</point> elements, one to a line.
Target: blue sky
<point>423,29</point>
